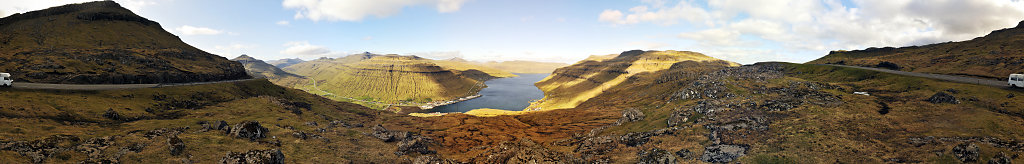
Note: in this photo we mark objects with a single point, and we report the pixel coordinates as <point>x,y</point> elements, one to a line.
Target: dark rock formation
<point>111,114</point>
<point>389,136</point>
<point>249,130</point>
<point>596,145</point>
<point>176,145</point>
<point>888,65</point>
<point>723,153</point>
<point>635,138</point>
<point>942,97</point>
<point>523,151</point>
<point>966,152</point>
<point>655,156</point>
<point>678,117</point>
<point>414,145</point>
<point>273,156</point>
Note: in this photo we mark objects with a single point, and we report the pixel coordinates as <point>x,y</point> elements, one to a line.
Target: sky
<point>566,31</point>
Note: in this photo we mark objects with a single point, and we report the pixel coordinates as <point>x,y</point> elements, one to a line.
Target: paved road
<point>95,87</point>
<point>959,79</point>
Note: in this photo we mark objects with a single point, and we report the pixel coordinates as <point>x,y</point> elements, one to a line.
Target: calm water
<point>504,93</point>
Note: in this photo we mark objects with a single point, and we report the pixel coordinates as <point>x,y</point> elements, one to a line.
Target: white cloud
<point>283,23</point>
<point>356,10</point>
<point>191,30</point>
<point>803,26</point>
<point>233,49</point>
<point>303,48</point>
<point>22,6</point>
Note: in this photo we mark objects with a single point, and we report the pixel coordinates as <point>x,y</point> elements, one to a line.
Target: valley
<point>96,83</point>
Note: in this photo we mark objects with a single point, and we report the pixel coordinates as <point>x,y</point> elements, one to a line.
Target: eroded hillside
<point>993,56</point>
<point>102,42</point>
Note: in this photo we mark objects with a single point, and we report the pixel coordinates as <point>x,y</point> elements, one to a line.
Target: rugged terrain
<point>572,85</point>
<point>259,69</point>
<point>386,78</point>
<point>102,43</point>
<point>993,56</point>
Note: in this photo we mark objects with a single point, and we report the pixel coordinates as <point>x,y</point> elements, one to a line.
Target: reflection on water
<point>505,93</point>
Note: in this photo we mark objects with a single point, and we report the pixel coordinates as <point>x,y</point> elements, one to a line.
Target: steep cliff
<point>386,78</point>
<point>102,42</point>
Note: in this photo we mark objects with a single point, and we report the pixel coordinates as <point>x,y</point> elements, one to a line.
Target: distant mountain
<point>386,78</point>
<point>102,42</point>
<point>281,63</point>
<point>259,69</point>
<point>994,56</point>
<point>569,86</point>
<point>518,66</point>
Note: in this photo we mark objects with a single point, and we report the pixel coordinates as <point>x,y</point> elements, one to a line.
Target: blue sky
<point>562,30</point>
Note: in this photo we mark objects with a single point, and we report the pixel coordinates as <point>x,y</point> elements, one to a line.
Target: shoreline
<point>433,105</point>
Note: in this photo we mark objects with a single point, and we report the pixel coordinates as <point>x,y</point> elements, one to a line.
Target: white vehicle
<point>1016,80</point>
<point>5,80</point>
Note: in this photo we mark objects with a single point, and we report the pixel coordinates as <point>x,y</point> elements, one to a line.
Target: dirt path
<point>959,79</point>
<point>95,87</point>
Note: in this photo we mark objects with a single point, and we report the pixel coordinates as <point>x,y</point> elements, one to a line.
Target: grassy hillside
<point>572,85</point>
<point>993,56</point>
<point>386,78</point>
<point>102,42</point>
<point>281,63</point>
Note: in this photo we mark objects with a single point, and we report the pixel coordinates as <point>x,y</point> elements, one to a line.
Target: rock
<point>888,65</point>
<point>1000,159</point>
<point>630,115</point>
<point>953,91</point>
<point>220,125</point>
<point>723,153</point>
<point>597,145</point>
<point>966,152</point>
<point>272,156</point>
<point>429,159</point>
<point>1010,95</point>
<point>111,114</point>
<point>635,138</point>
<point>655,156</point>
<point>684,153</point>
<point>176,145</point>
<point>678,117</point>
<point>300,135</point>
<point>523,151</point>
<point>249,130</point>
<point>389,136</point>
<point>942,97</point>
<point>414,145</point>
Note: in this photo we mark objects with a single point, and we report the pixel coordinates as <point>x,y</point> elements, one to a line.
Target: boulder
<point>635,138</point>
<point>389,136</point>
<point>176,145</point>
<point>414,145</point>
<point>249,130</point>
<point>597,145</point>
<point>272,156</point>
<point>966,152</point>
<point>723,153</point>
<point>943,97</point>
<point>630,115</point>
<point>111,114</point>
<point>678,117</point>
<point>655,156</point>
<point>684,153</point>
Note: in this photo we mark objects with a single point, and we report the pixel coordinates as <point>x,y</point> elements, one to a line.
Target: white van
<point>5,80</point>
<point>1016,80</point>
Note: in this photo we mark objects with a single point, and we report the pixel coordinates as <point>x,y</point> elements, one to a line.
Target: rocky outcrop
<point>684,154</point>
<point>523,151</point>
<point>942,97</point>
<point>386,135</point>
<point>176,145</point>
<point>966,152</point>
<point>723,153</point>
<point>430,159</point>
<point>248,130</point>
<point>1000,158</point>
<point>630,115</point>
<point>655,156</point>
<point>414,145</point>
<point>272,156</point>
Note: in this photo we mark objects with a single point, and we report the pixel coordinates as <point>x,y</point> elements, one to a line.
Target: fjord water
<point>513,94</point>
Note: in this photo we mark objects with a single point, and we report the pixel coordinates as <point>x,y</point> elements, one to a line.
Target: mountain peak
<point>244,57</point>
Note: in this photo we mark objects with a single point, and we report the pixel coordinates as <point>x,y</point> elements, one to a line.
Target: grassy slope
<point>993,56</point>
<point>385,78</point>
<point>259,69</point>
<point>33,115</point>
